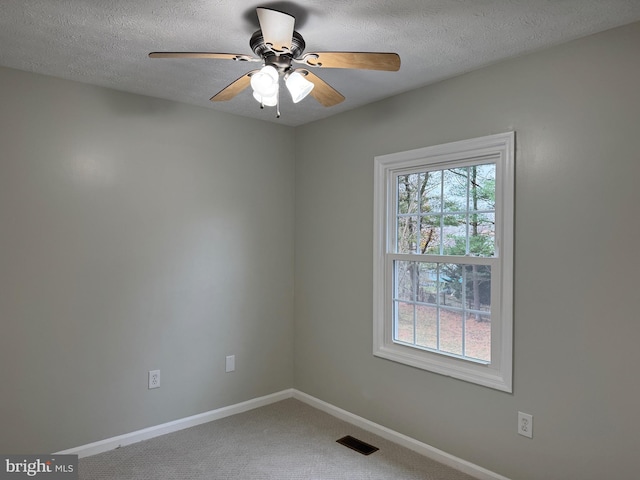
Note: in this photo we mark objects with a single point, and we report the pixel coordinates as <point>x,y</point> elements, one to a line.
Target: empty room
<point>249,240</point>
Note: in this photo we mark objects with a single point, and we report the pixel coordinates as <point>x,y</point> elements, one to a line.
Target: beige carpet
<point>288,440</point>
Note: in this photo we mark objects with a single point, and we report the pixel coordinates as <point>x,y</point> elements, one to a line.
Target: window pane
<point>477,281</point>
<point>451,328</point>
<point>451,278</point>
<point>482,231</point>
<point>407,234</point>
<point>427,281</point>
<point>455,190</point>
<point>454,235</point>
<point>404,280</point>
<point>431,192</point>
<point>430,234</point>
<point>408,187</point>
<point>477,338</point>
<point>482,187</point>
<point>427,326</point>
<point>404,327</point>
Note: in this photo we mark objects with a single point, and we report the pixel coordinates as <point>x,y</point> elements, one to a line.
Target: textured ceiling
<point>106,42</point>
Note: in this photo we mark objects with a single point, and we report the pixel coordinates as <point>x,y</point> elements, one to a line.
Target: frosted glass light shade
<point>298,86</point>
<point>271,101</point>
<point>265,82</point>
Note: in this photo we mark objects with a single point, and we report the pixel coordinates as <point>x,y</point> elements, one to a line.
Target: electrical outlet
<point>525,424</point>
<point>154,379</point>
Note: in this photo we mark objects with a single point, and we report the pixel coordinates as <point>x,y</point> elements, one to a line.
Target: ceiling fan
<point>278,47</point>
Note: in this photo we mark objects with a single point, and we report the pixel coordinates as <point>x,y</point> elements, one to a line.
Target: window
<point>443,259</point>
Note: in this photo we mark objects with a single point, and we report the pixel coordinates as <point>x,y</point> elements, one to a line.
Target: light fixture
<point>265,81</point>
<point>271,101</point>
<point>266,85</point>
<point>298,86</point>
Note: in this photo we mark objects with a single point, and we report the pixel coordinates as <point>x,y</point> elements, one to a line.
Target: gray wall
<point>136,234</point>
<point>576,113</point>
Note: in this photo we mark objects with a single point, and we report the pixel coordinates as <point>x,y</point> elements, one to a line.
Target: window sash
<point>442,213</point>
<point>494,312</point>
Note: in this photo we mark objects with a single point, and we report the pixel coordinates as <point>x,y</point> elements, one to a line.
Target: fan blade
<point>324,93</point>
<point>234,88</point>
<point>277,28</point>
<point>361,60</point>
<point>221,56</point>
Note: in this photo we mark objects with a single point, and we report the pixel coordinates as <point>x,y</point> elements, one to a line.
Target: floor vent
<point>357,445</point>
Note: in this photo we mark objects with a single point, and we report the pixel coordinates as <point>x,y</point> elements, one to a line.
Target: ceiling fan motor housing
<point>281,60</point>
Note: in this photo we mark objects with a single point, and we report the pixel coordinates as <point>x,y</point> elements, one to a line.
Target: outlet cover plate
<point>525,424</point>
<point>154,379</point>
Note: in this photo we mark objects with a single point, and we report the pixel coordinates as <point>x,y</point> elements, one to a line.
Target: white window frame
<point>499,148</point>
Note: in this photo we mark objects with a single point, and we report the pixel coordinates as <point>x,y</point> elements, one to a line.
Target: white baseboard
<point>151,432</point>
<point>403,440</point>
<point>384,432</point>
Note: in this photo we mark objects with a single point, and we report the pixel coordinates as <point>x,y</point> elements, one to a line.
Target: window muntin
<point>443,259</point>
